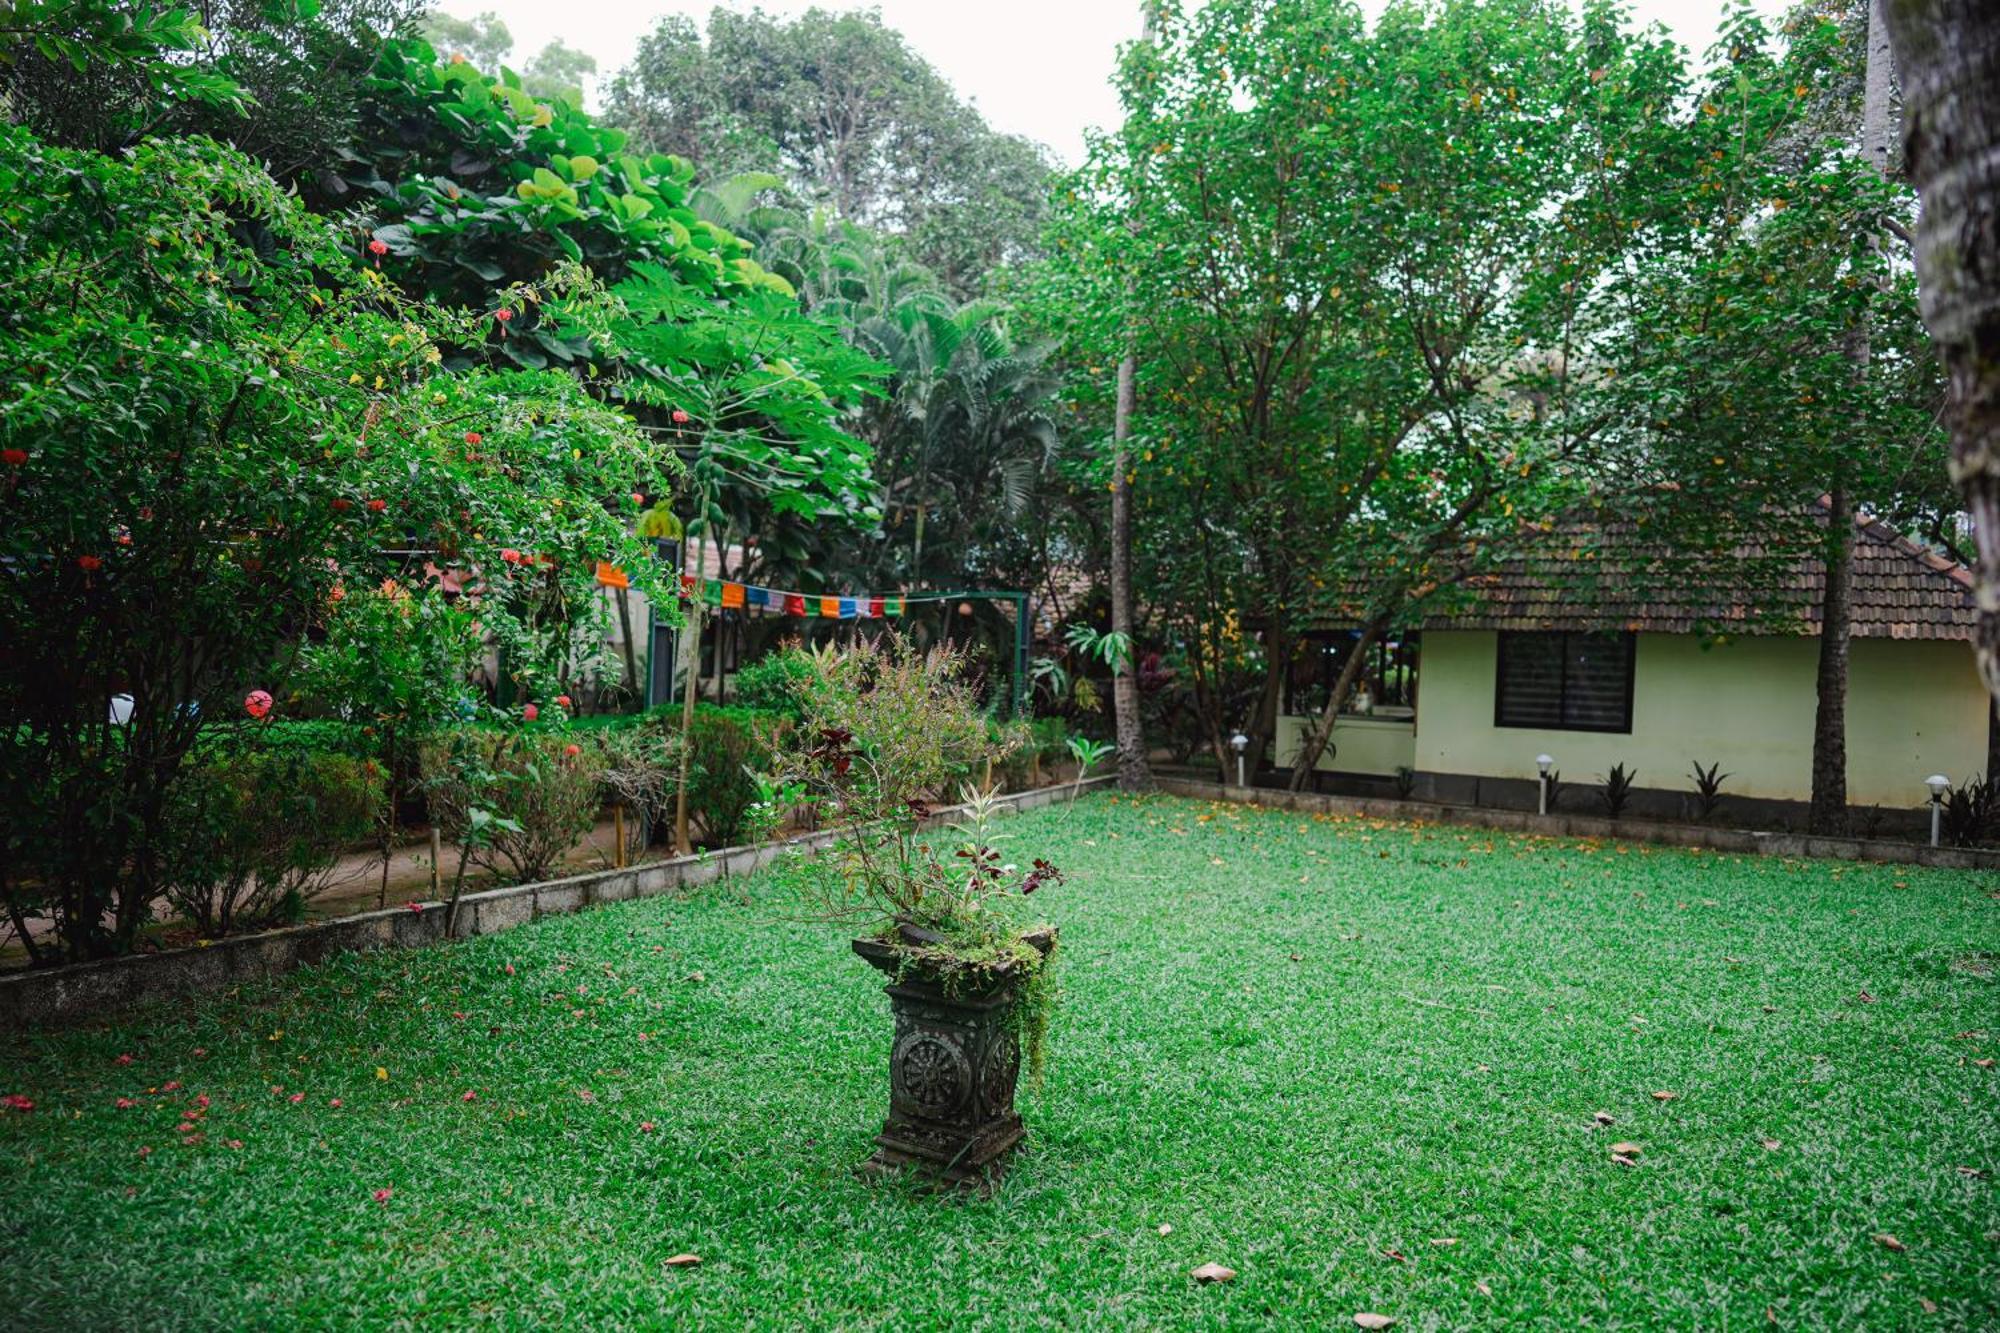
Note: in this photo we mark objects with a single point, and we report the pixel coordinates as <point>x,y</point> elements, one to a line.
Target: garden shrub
<point>523,799</point>
<point>251,838</point>
<point>776,682</point>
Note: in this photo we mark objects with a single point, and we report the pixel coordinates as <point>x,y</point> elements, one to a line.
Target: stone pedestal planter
<point>952,1069</point>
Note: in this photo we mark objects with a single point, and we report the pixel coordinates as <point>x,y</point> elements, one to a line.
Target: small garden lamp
<point>1543,762</point>
<point>1239,743</point>
<point>121,709</point>
<point>1939,785</point>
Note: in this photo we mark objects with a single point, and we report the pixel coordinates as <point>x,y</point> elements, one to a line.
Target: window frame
<point>1631,641</point>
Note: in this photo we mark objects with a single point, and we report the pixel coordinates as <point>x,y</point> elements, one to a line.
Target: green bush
<point>775,682</point>
<point>537,793</point>
<point>251,838</point>
<point>729,746</point>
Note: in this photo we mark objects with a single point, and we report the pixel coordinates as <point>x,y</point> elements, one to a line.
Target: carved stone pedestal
<point>952,1071</point>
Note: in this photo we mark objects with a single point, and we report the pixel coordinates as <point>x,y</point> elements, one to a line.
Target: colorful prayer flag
<point>732,595</point>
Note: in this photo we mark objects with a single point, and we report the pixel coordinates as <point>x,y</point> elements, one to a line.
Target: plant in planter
<point>888,729</point>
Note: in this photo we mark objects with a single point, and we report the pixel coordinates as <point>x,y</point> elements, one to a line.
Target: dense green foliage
<point>846,116</point>
<point>1402,1037</point>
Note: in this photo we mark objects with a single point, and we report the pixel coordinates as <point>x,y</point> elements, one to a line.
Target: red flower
<point>13,457</point>
<point>645,1126</point>
<point>341,506</point>
<point>473,437</point>
<point>377,506</point>
<point>125,1103</point>
<point>503,314</point>
<point>572,750</point>
<point>530,712</point>
<point>202,1101</point>
<point>89,563</point>
<point>510,969</point>
<point>123,1060</point>
<point>378,247</point>
<point>171,1085</point>
<point>562,701</point>
<point>638,499</point>
<point>470,1096</point>
<point>415,907</point>
<point>334,1103</point>
<point>14,1101</point>
<point>510,555</point>
<point>298,1097</point>
<point>382,1195</point>
<point>680,417</point>
<point>257,703</point>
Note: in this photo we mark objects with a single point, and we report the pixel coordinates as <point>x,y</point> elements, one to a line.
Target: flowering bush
<point>516,802</point>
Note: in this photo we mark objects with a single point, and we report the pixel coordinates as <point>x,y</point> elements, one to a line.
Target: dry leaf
<point>1865,998</point>
<point>1396,1254</point>
<point>1604,1118</point>
<point>1984,1064</point>
<point>1974,1172</point>
<point>1930,1306</point>
<point>1773,1144</point>
<point>1444,1240</point>
<point>1364,1319</point>
<point>684,1261</point>
<point>1166,1228</point>
<point>1482,1289</point>
<point>1889,1242</point>
<point>1626,1150</point>
<point>1213,1273</point>
<point>1665,1096</point>
<point>1622,1160</point>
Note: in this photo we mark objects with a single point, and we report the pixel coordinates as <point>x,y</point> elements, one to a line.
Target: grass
<point>1308,1046</point>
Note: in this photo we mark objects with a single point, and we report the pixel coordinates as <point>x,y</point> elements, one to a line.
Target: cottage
<point>1593,677</point>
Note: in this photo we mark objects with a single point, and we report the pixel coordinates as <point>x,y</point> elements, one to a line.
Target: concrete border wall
<point>1585,826</point>
<point>86,991</point>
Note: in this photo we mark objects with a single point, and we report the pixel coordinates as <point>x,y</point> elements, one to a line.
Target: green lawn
<point>1313,1048</point>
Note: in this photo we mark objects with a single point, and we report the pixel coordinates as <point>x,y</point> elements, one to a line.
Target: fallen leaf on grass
<point>1929,1305</point>
<point>1975,1173</point>
<point>1482,1289</point>
<point>1166,1228</point>
<point>1772,1144</point>
<point>1626,1149</point>
<point>1984,1064</point>
<point>1889,1242</point>
<point>1213,1273</point>
<point>1444,1240</point>
<point>1365,1319</point>
<point>1604,1118</point>
<point>1665,1096</point>
<point>684,1261</point>
<point>1396,1254</point>
<point>1865,998</point>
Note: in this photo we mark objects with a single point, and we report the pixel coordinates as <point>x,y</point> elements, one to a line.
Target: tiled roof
<point>1900,590</point>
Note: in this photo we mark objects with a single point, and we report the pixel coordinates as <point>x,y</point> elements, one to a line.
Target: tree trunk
<point>1877,132</point>
<point>1828,813</point>
<point>1948,53</point>
<point>1313,743</point>
<point>1134,773</point>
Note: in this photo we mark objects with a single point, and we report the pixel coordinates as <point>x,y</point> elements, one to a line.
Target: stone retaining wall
<point>1584,826</point>
<point>85,991</point>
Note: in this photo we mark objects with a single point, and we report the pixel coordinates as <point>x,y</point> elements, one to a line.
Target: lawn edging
<point>83,991</point>
<point>1746,841</point>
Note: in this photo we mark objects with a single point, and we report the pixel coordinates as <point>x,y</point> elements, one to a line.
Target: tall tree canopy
<point>840,108</point>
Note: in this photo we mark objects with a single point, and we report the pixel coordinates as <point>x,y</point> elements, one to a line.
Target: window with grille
<point>1565,682</point>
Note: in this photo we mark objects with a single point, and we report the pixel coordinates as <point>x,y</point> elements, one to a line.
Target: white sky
<point>1041,68</point>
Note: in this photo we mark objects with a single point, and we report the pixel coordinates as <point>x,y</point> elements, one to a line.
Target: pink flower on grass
<point>510,969</point>
<point>298,1097</point>
<point>123,1060</point>
<point>125,1103</point>
<point>257,703</point>
<point>171,1085</point>
<point>382,1195</point>
<point>645,1126</point>
<point>530,712</point>
<point>470,1096</point>
<point>145,1152</point>
<point>202,1101</point>
<point>14,1101</point>
<point>334,1103</point>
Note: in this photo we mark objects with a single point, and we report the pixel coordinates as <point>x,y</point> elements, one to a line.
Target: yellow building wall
<point>1914,707</point>
<point>1373,745</point>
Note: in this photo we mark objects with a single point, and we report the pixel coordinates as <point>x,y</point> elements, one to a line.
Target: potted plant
<point>887,728</point>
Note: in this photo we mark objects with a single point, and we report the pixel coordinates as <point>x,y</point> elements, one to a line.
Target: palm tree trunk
<point>1948,52</point>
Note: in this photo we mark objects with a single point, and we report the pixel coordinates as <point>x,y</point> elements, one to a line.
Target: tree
<point>841,109</point>
<point>558,71</point>
<point>483,40</point>
<point>1947,52</point>
<point>1364,267</point>
<point>219,424</point>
